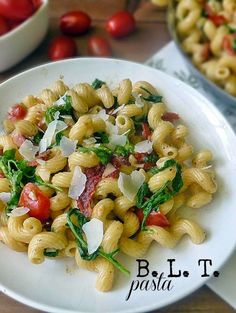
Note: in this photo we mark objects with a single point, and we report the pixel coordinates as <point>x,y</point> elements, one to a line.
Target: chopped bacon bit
<point>94,175</point>
<point>118,161</point>
<point>146,131</point>
<point>2,175</point>
<point>33,163</point>
<point>218,19</point>
<point>114,174</point>
<point>206,51</point>
<point>170,116</point>
<point>17,138</point>
<point>140,157</point>
<point>228,44</point>
<point>44,155</point>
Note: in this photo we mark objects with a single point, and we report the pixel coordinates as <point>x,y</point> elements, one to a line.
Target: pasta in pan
<point>90,171</point>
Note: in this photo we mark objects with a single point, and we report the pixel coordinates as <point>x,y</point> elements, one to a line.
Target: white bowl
<point>21,41</point>
<point>57,285</point>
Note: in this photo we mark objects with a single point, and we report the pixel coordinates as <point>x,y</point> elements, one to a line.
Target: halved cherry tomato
<point>229,44</point>
<point>62,47</point>
<point>170,116</point>
<point>146,131</point>
<point>99,46</point>
<point>17,10</point>
<point>17,112</point>
<point>4,27</point>
<point>154,218</point>
<point>75,23</point>
<point>120,24</point>
<point>34,199</point>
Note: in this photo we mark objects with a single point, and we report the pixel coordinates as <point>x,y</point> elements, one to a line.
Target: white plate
<point>57,286</point>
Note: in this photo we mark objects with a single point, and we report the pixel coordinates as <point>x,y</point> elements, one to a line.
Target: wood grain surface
<point>150,36</point>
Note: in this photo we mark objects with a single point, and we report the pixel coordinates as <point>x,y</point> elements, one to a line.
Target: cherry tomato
<point>229,44</point>
<point>13,24</point>
<point>75,23</point>
<point>154,218</point>
<point>120,24</point>
<point>170,116</point>
<point>17,112</point>
<point>16,10</point>
<point>98,46</point>
<point>37,3</point>
<point>62,47</point>
<point>34,199</point>
<point>4,27</point>
<point>146,131</point>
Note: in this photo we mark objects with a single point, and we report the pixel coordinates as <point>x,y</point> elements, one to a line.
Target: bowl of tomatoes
<point>23,25</point>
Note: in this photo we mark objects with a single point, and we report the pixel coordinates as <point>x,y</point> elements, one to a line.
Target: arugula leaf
<point>166,192</point>
<point>97,83</point>
<point>37,138</point>
<point>102,152</point>
<point>125,150</point>
<point>151,158</point>
<point>151,97</point>
<point>51,253</point>
<point>65,109</point>
<point>19,173</point>
<point>142,193</point>
<point>234,44</point>
<point>101,137</point>
<point>231,29</point>
<point>167,164</point>
<point>38,180</point>
<point>58,138</point>
<point>75,221</point>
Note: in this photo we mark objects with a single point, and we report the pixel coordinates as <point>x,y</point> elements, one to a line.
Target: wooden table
<point>151,35</point>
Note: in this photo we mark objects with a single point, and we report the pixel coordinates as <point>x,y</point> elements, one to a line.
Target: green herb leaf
<point>102,152</point>
<point>234,44</point>
<point>65,109</point>
<point>75,221</point>
<point>125,150</point>
<point>151,97</point>
<point>101,137</point>
<point>51,253</point>
<point>166,192</point>
<point>97,83</point>
<point>37,138</point>
<point>151,158</point>
<point>142,193</point>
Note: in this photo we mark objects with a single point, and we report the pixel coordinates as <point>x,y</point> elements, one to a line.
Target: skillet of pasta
<point>207,33</point>
<point>88,172</point>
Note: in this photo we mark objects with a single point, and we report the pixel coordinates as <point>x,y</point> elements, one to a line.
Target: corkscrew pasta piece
<point>26,128</point>
<point>86,159</point>
<point>83,128</point>
<point>106,187</point>
<point>124,91</point>
<point>87,93</point>
<point>8,240</point>
<point>106,96</point>
<point>62,179</point>
<point>78,103</point>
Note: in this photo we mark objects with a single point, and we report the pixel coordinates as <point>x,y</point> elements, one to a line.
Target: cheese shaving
<point>28,150</point>
<point>94,234</point>
<point>18,211</point>
<point>130,184</point>
<point>143,146</point>
<point>78,183</point>
<point>5,196</point>
<point>67,146</point>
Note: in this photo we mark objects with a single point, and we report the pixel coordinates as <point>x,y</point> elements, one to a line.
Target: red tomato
<point>170,116</point>
<point>17,112</point>
<point>154,218</point>
<point>75,23</point>
<point>33,198</point>
<point>146,131</point>
<point>4,27</point>
<point>14,24</point>
<point>120,24</point>
<point>37,3</point>
<point>62,47</point>
<point>228,44</point>
<point>98,46</point>
<point>17,138</point>
<point>16,10</point>
<point>218,19</point>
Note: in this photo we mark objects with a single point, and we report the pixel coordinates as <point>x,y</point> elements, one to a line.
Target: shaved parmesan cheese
<point>5,196</point>
<point>138,99</point>
<point>94,234</point>
<point>67,146</point>
<point>108,170</point>
<point>143,146</point>
<point>77,183</point>
<point>130,184</point>
<point>89,141</point>
<point>117,140</point>
<point>53,128</point>
<point>60,101</point>
<point>111,129</point>
<point>118,109</point>
<point>28,150</point>
<point>101,114</point>
<point>18,211</point>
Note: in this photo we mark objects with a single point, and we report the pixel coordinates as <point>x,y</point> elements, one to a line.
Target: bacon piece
<point>118,161</point>
<point>146,131</point>
<point>43,155</point>
<point>94,175</point>
<point>140,157</point>
<point>170,116</point>
<point>17,138</point>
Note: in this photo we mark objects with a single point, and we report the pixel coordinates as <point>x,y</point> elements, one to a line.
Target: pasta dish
<point>89,171</point>
<point>207,32</point>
